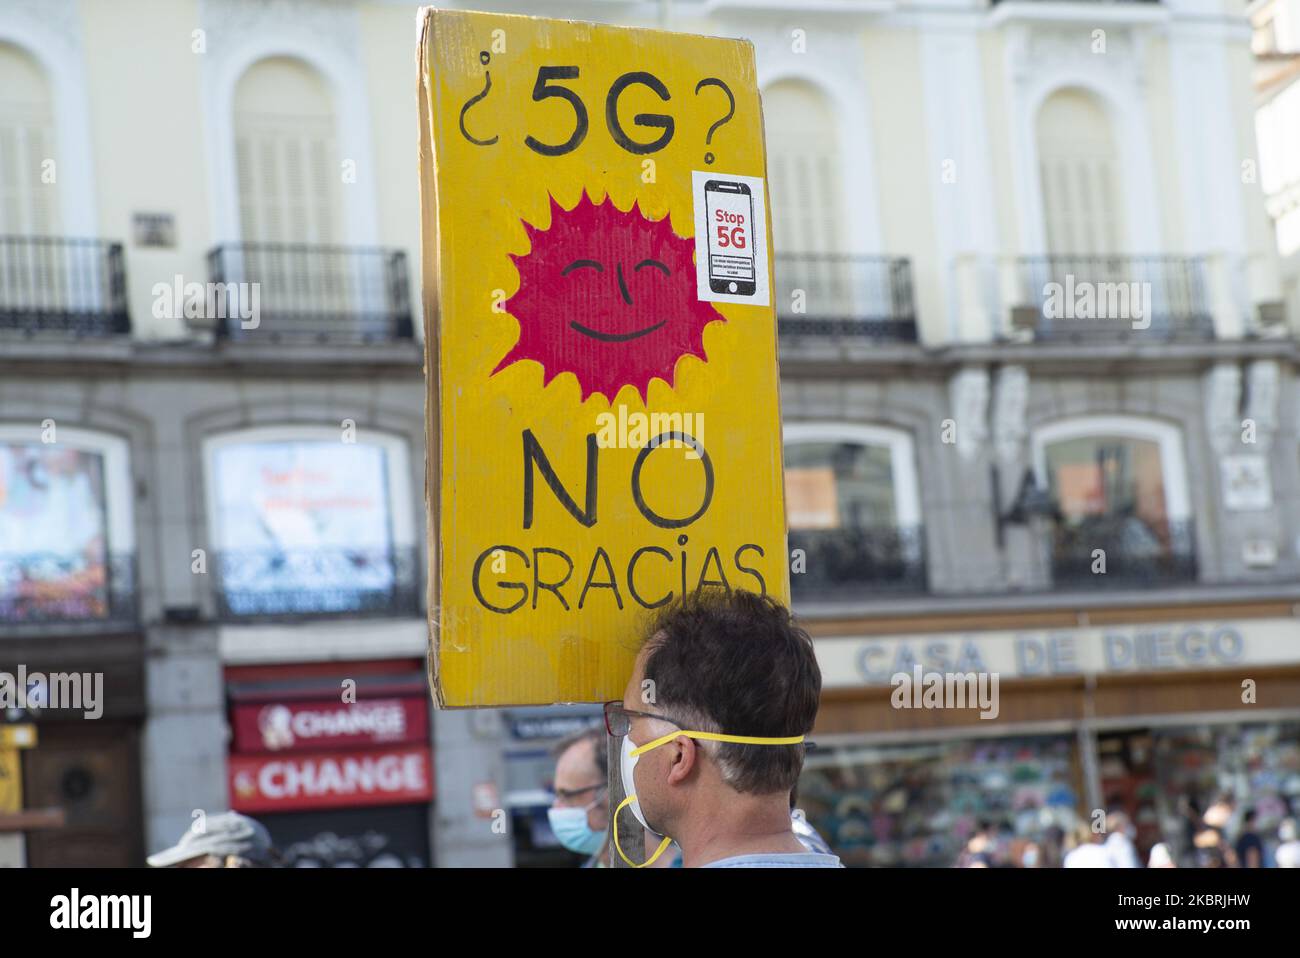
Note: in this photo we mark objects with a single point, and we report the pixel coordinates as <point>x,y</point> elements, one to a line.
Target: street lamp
<point>1031,503</point>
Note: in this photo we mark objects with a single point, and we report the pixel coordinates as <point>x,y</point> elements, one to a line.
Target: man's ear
<point>685,758</point>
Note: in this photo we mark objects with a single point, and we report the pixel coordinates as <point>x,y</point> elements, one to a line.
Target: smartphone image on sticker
<point>729,208</point>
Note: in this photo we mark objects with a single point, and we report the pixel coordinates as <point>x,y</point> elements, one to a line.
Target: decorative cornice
<point>328,25</point>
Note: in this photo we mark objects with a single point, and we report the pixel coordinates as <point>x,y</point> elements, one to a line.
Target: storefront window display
<point>392,837</point>
<point>1257,767</point>
<point>917,805</point>
<point>54,557</point>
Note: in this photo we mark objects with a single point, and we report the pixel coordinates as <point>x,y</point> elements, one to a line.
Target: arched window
<point>803,169</point>
<point>286,155</point>
<point>67,543</point>
<point>28,206</point>
<point>1080,176</point>
<point>1119,485</point>
<point>835,290</point>
<point>307,524</point>
<point>852,506</point>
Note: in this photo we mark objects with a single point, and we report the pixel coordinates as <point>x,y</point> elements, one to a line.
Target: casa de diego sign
<point>1038,653</point>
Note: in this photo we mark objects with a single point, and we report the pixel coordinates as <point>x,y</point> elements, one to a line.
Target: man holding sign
<point>596,252</point>
<point>714,665</point>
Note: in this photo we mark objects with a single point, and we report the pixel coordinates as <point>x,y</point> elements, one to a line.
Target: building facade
<point>1038,383</point>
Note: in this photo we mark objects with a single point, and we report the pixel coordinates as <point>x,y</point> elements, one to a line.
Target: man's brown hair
<point>736,662</point>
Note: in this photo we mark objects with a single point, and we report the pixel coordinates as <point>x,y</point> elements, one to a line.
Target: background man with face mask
<point>579,816</point>
<point>713,719</point>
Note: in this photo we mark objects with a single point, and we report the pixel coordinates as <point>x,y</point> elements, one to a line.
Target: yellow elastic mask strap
<point>720,737</point>
<point>653,858</point>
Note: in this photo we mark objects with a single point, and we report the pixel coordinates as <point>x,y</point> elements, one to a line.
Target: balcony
<point>844,299</point>
<point>57,286</point>
<point>311,294</point>
<point>1138,554</point>
<point>850,563</point>
<point>40,589</point>
<point>1110,299</point>
<point>269,584</point>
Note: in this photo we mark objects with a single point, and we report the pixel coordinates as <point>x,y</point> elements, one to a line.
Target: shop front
<point>335,760</point>
<point>1157,712</point>
<point>79,781</point>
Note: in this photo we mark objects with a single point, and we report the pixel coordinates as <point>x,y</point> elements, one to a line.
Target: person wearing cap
<point>227,840</point>
<point>713,720</point>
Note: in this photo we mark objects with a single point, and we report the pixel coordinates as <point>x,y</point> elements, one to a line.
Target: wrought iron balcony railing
<point>333,581</point>
<point>275,292</point>
<point>1136,553</point>
<point>1112,298</point>
<point>71,287</point>
<point>821,296</point>
<point>46,588</point>
<point>846,563</point>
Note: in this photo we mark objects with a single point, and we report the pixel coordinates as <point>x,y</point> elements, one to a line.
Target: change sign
<point>603,412</point>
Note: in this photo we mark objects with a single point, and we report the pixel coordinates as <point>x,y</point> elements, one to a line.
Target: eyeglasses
<point>572,794</point>
<point>618,720</point>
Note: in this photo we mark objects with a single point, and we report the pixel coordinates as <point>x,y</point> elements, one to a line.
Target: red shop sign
<point>382,776</point>
<point>313,725</point>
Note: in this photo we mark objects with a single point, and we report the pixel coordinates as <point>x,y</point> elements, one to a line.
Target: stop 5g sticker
<point>730,238</point>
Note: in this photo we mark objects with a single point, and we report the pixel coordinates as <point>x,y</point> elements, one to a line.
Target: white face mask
<point>627,771</point>
<point>627,767</point>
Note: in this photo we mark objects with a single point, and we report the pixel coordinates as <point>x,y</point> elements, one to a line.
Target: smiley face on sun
<point>608,296</point>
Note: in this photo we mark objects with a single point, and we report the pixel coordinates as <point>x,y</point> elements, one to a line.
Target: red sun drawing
<point>608,296</point>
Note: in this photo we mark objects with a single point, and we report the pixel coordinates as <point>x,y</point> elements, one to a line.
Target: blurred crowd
<point>1223,836</point>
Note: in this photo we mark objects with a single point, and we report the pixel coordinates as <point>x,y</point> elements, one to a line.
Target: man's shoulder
<point>778,860</point>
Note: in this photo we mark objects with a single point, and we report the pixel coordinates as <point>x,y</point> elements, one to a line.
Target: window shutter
<point>28,207</point>
<point>1077,169</point>
<point>803,163</point>
<point>285,155</point>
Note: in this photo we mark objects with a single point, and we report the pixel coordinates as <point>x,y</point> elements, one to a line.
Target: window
<point>1277,125</point>
<point>803,168</point>
<point>1080,176</point>
<point>66,542</point>
<point>1120,488</point>
<point>840,485</point>
<point>1107,477</point>
<point>285,155</point>
<point>305,523</point>
<point>28,206</point>
<point>289,175</point>
<point>852,507</point>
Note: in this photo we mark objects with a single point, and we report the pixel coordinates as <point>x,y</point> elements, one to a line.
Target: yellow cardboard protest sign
<point>604,428</point>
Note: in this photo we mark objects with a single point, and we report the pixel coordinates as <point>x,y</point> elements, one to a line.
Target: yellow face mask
<point>632,752</point>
